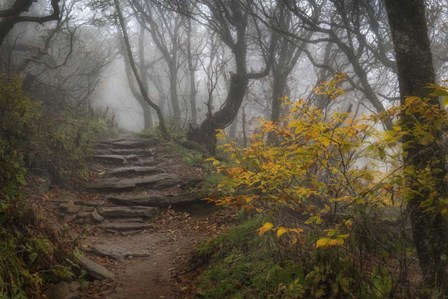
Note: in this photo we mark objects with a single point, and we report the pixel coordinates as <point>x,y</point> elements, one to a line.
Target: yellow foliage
<point>328,242</point>
<point>315,164</point>
<point>265,228</point>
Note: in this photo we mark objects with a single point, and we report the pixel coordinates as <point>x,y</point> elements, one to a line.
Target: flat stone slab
<point>115,159</point>
<point>125,226</point>
<point>116,252</point>
<point>131,142</point>
<point>127,220</point>
<point>145,162</point>
<point>139,200</point>
<point>110,158</point>
<point>157,181</point>
<point>133,170</point>
<point>94,269</point>
<point>130,151</point>
<point>155,200</point>
<point>127,212</point>
<point>90,203</point>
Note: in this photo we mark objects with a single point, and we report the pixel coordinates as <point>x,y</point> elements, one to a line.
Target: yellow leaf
<point>265,228</point>
<point>328,242</point>
<point>281,230</point>
<point>388,187</point>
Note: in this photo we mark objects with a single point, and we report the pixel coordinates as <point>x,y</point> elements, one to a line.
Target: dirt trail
<point>141,220</point>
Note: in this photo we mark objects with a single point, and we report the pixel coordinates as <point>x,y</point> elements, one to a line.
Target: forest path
<point>141,219</point>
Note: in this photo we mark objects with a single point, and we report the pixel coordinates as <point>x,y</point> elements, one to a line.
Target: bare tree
<point>166,29</point>
<point>13,15</point>
<point>230,21</point>
<point>344,24</point>
<point>143,90</point>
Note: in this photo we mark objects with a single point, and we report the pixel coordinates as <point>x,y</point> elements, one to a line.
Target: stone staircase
<point>135,178</point>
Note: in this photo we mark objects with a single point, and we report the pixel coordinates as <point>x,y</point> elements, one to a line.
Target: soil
<point>167,272</point>
<point>157,258</point>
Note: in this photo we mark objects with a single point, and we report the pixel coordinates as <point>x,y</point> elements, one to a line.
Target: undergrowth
<point>242,264</point>
<point>54,140</point>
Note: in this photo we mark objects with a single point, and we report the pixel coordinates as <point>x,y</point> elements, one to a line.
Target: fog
<point>113,93</point>
<point>200,66</point>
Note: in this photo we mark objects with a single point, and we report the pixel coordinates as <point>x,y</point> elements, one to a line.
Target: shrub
<point>334,188</point>
<point>18,115</point>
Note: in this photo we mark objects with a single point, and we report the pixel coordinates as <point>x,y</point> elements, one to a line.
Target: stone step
<point>145,162</point>
<point>154,200</point>
<point>128,212</point>
<point>157,181</point>
<point>133,143</point>
<point>121,171</point>
<point>139,200</point>
<point>117,252</point>
<point>125,226</point>
<point>123,152</point>
<point>114,159</point>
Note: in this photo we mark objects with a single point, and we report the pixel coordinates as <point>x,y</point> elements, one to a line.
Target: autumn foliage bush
<point>333,184</point>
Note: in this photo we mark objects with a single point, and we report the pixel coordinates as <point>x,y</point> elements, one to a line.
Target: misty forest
<point>223,149</point>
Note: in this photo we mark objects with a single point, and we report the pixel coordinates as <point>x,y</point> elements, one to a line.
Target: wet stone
<point>125,226</point>
<point>116,252</point>
<point>94,269</point>
<point>128,212</point>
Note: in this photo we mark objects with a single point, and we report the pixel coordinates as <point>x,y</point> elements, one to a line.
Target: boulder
<point>63,290</point>
<point>94,269</point>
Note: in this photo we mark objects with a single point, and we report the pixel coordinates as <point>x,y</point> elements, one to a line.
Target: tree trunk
<point>278,91</point>
<point>173,90</point>
<point>205,133</point>
<point>192,75</point>
<point>147,117</point>
<point>7,23</point>
<point>415,70</point>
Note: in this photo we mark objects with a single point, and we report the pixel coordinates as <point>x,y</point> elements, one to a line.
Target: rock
<point>135,219</point>
<point>69,218</point>
<point>145,162</point>
<point>127,212</point>
<point>85,215</point>
<point>156,181</point>
<point>63,290</point>
<point>116,252</point>
<point>94,269</point>
<point>169,182</point>
<point>125,226</point>
<point>71,208</point>
<point>87,209</point>
<point>119,159</point>
<point>185,199</point>
<point>139,200</point>
<point>155,200</point>
<point>97,216</point>
<point>132,142</point>
<point>90,203</point>
<point>133,170</point>
<point>135,151</point>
